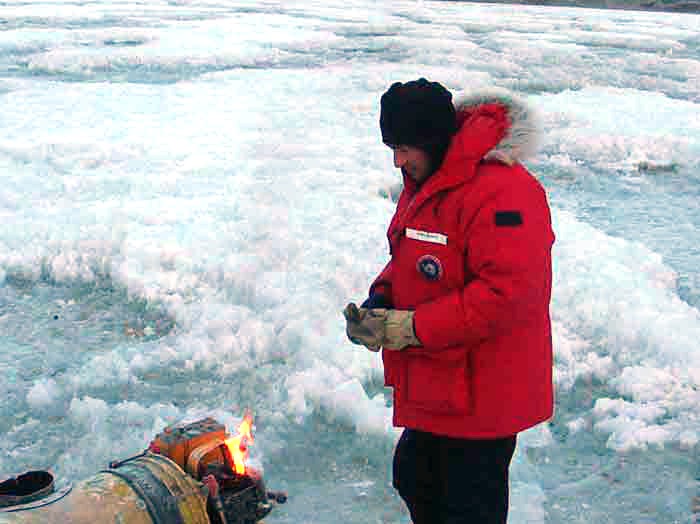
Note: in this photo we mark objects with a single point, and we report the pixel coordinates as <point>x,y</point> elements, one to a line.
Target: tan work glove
<point>359,329</point>
<point>391,329</point>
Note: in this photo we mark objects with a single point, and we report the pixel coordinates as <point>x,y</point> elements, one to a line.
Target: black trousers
<point>446,480</point>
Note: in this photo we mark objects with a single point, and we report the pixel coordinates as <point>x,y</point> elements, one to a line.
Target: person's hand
<point>391,329</point>
<point>398,328</point>
<point>361,330</point>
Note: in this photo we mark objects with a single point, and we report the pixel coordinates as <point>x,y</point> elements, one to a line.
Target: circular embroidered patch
<point>430,267</point>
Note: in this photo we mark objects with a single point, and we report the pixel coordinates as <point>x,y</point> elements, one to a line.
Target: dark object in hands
<point>377,300</point>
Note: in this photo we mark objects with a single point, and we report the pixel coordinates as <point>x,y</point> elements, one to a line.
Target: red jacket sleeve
<point>382,284</point>
<point>508,244</point>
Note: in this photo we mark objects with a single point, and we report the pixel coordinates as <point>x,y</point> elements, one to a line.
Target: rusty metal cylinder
<point>147,489</point>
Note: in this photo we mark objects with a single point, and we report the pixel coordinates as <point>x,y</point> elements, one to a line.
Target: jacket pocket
<point>438,382</point>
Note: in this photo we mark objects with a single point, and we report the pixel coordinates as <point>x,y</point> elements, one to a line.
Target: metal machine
<point>190,474</point>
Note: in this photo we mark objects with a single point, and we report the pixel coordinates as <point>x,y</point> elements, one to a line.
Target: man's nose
<point>399,159</point>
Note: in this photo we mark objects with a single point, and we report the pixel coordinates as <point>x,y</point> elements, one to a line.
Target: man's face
<point>412,161</point>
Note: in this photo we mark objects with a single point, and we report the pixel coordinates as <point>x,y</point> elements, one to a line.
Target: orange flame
<point>238,445</point>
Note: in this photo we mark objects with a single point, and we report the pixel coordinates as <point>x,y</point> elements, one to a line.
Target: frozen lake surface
<point>191,191</point>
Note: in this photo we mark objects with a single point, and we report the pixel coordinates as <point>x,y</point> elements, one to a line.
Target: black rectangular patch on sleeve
<point>509,218</point>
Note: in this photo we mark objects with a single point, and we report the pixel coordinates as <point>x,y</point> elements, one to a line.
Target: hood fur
<point>524,135</point>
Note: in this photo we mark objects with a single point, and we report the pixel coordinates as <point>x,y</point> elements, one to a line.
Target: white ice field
<point>191,191</point>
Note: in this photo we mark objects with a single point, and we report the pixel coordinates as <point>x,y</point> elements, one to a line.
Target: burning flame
<point>238,445</point>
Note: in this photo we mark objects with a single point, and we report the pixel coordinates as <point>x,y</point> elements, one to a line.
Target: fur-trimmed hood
<point>493,125</point>
<point>524,133</point>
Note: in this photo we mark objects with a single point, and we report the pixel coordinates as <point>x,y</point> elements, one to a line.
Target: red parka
<point>471,254</point>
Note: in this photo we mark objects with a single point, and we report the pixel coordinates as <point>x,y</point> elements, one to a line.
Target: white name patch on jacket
<point>426,236</point>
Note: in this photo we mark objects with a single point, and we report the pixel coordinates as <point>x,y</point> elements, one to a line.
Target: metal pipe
<point>147,489</point>
<point>186,476</point>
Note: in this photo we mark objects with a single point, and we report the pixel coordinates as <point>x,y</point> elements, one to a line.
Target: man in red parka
<point>461,311</point>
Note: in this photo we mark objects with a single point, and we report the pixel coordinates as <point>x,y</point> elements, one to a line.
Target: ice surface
<point>191,192</point>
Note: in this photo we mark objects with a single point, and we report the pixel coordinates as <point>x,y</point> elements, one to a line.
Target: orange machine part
<point>177,442</point>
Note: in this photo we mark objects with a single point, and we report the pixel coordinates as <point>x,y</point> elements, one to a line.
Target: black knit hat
<point>417,113</point>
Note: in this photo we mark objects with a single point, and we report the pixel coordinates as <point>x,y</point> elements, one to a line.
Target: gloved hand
<point>391,329</point>
<point>357,332</point>
<point>356,328</point>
